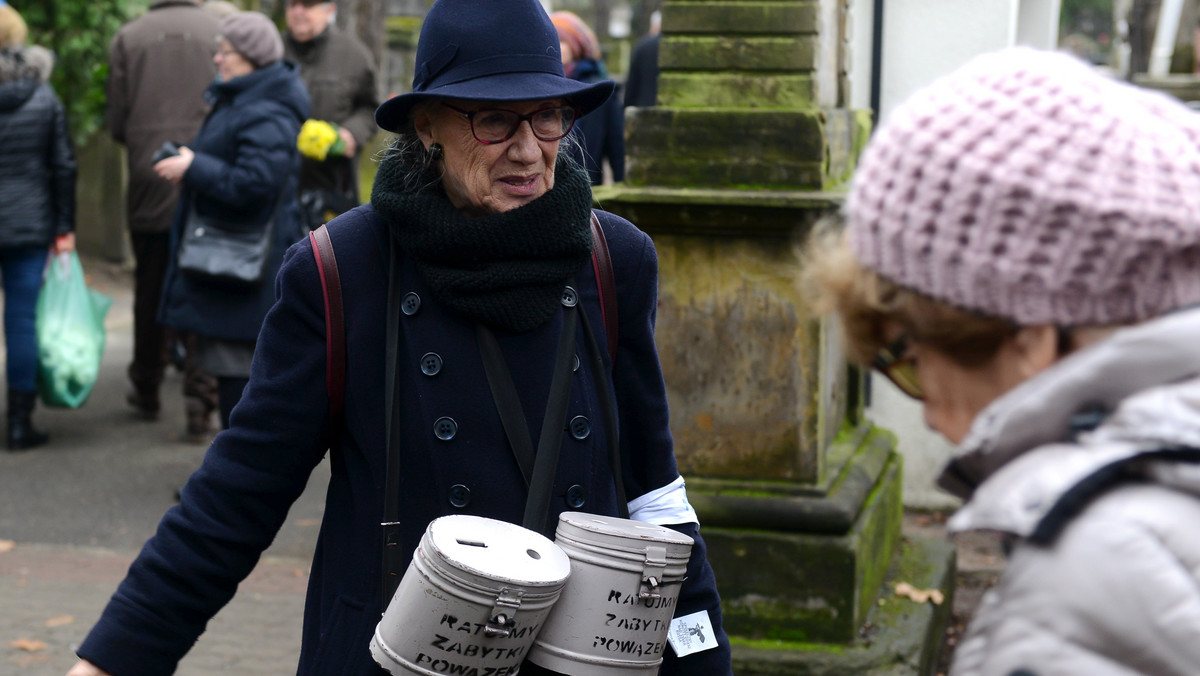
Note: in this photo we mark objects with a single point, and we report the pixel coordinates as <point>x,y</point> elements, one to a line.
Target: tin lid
<point>489,550</point>
<point>622,534</point>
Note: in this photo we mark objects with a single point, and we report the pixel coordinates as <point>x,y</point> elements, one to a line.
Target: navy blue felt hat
<point>490,50</point>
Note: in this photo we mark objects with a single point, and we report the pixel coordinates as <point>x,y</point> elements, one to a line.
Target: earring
<point>435,152</point>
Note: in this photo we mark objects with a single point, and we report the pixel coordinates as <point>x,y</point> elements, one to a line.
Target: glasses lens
<point>904,375</point>
<point>893,361</point>
<point>493,126</point>
<point>552,124</point>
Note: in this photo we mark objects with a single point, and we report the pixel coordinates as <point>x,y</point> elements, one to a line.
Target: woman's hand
<point>173,168</point>
<point>85,668</point>
<point>63,243</point>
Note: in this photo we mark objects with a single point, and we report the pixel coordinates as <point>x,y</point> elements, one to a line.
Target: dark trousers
<point>151,253</point>
<point>21,270</point>
<point>230,389</point>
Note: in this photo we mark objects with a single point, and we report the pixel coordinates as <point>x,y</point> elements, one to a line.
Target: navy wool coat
<point>233,505</point>
<point>245,170</point>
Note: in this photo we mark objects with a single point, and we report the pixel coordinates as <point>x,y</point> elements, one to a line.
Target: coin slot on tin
<point>469,543</point>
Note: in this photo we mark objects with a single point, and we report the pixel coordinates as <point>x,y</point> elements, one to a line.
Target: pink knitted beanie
<point>1027,186</point>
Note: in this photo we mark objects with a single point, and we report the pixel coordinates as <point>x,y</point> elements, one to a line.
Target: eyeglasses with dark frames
<point>496,125</point>
<point>894,362</point>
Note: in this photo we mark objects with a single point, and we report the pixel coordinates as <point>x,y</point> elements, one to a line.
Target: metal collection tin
<point>474,597</point>
<point>614,614</point>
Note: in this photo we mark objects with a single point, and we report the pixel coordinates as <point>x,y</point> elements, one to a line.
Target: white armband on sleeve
<point>664,506</point>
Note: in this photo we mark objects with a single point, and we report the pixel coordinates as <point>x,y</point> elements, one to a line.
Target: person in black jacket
<point>242,167</point>
<point>599,136</point>
<point>37,191</point>
<point>479,232</point>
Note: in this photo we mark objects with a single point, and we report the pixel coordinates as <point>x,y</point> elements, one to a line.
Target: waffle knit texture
<point>506,270</point>
<point>1027,186</point>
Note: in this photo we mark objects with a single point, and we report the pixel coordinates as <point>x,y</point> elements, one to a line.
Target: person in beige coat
<point>159,66</point>
<point>1021,252</point>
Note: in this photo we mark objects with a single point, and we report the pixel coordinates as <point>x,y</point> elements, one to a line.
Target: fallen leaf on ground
<point>60,621</point>
<point>908,591</point>
<point>7,545</point>
<point>29,645</point>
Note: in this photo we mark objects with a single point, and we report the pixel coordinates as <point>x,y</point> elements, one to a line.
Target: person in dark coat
<point>641,85</point>
<point>242,167</point>
<point>159,65</point>
<point>599,135</point>
<point>37,189</point>
<point>478,226</point>
<point>339,72</point>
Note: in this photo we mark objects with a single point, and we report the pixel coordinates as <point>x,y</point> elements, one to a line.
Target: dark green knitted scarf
<point>506,270</point>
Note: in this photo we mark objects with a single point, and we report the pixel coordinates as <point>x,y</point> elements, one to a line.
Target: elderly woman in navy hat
<point>478,240</point>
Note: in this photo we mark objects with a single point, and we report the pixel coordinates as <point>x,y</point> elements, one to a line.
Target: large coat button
<point>569,297</point>
<point>576,496</point>
<point>431,364</point>
<point>410,303</point>
<point>445,428</point>
<point>580,427</point>
<point>460,496</point>
<point>575,363</point>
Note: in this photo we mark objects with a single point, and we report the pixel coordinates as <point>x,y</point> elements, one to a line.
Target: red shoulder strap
<point>602,265</point>
<point>335,329</point>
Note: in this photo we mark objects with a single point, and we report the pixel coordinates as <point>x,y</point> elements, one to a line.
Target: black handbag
<point>216,250</point>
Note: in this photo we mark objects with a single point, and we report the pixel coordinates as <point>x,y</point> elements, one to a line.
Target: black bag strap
<point>391,568</point>
<point>508,404</point>
<point>540,476</point>
<point>608,410</point>
<point>537,506</point>
<point>335,328</point>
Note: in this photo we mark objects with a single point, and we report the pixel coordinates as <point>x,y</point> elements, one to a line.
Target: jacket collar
<point>1019,457</point>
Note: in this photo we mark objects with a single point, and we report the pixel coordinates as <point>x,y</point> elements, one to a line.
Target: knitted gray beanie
<point>253,36</point>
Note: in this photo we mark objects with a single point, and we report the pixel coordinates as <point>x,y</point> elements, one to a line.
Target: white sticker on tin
<point>692,634</point>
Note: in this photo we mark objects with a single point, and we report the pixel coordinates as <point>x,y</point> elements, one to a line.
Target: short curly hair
<point>866,303</point>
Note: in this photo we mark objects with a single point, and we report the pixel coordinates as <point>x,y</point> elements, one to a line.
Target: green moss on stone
<point>784,54</point>
<point>775,91</point>
<point>792,646</point>
<point>741,17</point>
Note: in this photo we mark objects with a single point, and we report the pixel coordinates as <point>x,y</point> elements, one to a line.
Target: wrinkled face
<point>484,178</point>
<point>230,63</point>
<point>307,20</point>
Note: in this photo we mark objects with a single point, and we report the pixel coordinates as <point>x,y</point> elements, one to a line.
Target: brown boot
<point>199,420</point>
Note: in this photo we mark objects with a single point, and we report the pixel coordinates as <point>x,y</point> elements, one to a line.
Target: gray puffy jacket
<point>1103,576</point>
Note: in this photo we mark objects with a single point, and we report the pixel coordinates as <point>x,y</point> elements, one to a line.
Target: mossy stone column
<point>749,145</point>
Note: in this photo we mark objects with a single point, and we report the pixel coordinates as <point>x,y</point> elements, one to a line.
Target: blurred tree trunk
<point>641,17</point>
<point>1143,23</point>
<point>601,11</point>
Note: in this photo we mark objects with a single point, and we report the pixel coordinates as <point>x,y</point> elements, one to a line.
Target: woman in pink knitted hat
<point>1021,252</point>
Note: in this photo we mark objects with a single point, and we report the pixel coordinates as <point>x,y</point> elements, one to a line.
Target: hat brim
<point>393,113</point>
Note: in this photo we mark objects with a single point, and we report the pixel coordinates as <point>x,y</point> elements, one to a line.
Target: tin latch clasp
<point>504,613</point>
<point>652,572</point>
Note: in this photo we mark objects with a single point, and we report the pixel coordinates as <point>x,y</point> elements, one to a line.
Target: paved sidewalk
<point>74,513</point>
<point>51,595</point>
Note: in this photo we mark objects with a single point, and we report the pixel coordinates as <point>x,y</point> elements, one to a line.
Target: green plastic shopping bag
<point>70,333</point>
